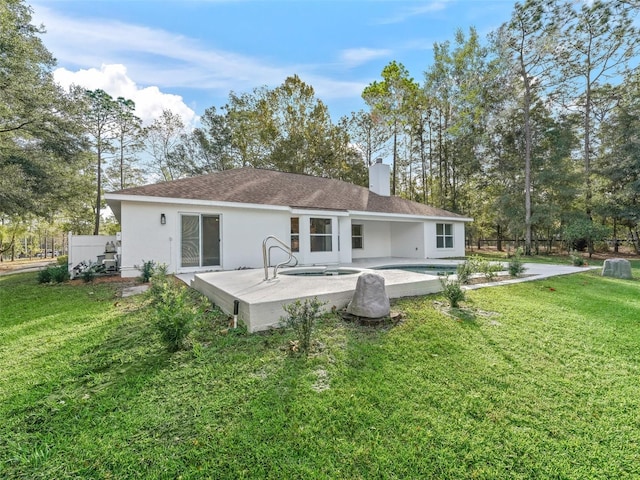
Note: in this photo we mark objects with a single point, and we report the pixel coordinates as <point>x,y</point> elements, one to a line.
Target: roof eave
<point>191,201</point>
<point>405,216</point>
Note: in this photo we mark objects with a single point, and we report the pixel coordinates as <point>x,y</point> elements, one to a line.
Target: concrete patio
<point>260,301</point>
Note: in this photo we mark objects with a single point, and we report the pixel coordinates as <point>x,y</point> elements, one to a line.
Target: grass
<point>532,380</point>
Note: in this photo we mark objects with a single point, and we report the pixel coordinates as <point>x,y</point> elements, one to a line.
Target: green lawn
<point>533,380</point>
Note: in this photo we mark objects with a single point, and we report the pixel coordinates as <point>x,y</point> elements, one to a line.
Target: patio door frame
<point>204,246</point>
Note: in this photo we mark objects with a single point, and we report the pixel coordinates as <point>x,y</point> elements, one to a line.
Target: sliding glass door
<point>200,240</point>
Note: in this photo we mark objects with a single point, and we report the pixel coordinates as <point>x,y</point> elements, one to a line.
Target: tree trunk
<point>96,227</point>
<point>395,156</point>
<point>527,159</point>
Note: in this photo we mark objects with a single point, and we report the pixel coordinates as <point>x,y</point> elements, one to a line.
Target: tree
<point>100,122</point>
<point>288,129</point>
<point>251,127</point>
<point>39,129</point>
<point>127,142</point>
<point>389,98</point>
<point>214,141</point>
<point>527,42</point>
<point>303,140</point>
<point>368,134</point>
<point>162,138</point>
<point>620,161</point>
<point>598,45</point>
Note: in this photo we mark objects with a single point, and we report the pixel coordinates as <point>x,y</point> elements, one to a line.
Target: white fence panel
<point>87,248</point>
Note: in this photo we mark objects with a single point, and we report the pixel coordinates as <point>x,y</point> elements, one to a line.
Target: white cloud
<point>358,56</point>
<point>141,63</point>
<point>423,9</point>
<point>114,80</point>
<point>157,57</point>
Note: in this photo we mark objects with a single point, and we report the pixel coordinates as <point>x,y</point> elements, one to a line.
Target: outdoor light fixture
<point>163,219</point>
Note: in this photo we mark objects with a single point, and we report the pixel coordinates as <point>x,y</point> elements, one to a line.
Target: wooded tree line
<point>533,131</point>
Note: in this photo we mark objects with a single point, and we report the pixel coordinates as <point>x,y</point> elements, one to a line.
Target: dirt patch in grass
<point>111,279</point>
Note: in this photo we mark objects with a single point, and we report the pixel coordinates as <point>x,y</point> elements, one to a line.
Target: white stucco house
<point>219,221</point>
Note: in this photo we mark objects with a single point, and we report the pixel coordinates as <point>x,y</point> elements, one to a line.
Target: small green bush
<point>63,260</point>
<point>54,274</point>
<point>576,259</point>
<point>516,266</point>
<point>464,271</point>
<point>90,273</point>
<point>158,283</point>
<point>174,312</point>
<point>452,291</point>
<point>147,269</point>
<point>302,317</point>
<point>487,268</point>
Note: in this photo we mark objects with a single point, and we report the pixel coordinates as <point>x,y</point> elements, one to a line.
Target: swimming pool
<point>440,270</point>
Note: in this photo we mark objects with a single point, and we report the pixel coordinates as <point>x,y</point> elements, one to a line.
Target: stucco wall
<point>407,239</point>
<point>376,239</point>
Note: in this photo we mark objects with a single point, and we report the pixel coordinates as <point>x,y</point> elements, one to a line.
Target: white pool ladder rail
<point>266,255</point>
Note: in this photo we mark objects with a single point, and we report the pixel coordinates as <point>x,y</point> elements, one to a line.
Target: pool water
<point>440,270</point>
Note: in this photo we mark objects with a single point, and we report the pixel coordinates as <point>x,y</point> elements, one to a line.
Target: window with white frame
<point>444,235</point>
<point>295,234</point>
<point>320,230</point>
<point>357,236</point>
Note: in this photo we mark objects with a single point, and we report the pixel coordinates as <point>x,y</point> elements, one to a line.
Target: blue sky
<point>188,55</point>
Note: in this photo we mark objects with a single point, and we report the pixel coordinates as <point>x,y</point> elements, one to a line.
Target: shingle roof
<point>269,187</point>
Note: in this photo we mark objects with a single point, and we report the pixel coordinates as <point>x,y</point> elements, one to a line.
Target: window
<point>200,242</point>
<point>320,235</point>
<point>444,235</point>
<point>356,236</point>
<point>295,234</point>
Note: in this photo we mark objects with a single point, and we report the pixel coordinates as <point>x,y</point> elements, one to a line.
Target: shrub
<point>452,291</point>
<point>54,274</point>
<point>158,282</point>
<point>516,267</point>
<point>63,260</point>
<point>174,312</point>
<point>147,269</point>
<point>89,273</point>
<point>464,272</point>
<point>576,259</point>
<point>491,269</point>
<point>485,267</point>
<point>301,318</point>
